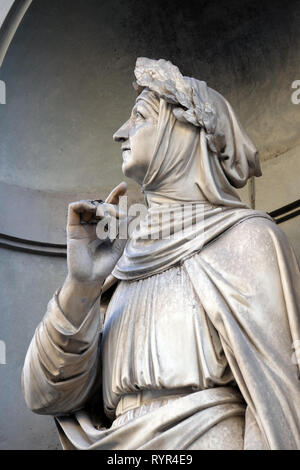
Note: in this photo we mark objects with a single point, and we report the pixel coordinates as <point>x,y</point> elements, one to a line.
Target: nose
<point>122,134</point>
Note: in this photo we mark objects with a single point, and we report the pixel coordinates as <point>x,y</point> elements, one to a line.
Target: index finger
<point>117,192</point>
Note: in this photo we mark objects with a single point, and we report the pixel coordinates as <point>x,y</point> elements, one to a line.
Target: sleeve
<point>62,363</point>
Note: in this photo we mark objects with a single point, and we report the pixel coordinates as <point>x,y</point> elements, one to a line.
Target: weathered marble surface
<point>190,351</point>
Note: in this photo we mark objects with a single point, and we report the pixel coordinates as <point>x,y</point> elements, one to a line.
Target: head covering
<point>224,160</point>
<point>201,155</point>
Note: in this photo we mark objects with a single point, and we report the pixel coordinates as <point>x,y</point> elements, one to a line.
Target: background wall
<point>68,74</point>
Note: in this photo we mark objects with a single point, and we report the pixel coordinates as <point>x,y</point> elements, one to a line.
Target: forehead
<point>150,98</point>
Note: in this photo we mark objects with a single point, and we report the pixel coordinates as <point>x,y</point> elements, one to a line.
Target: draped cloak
<point>245,280</point>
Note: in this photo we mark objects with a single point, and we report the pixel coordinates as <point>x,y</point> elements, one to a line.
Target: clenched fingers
<point>80,211</point>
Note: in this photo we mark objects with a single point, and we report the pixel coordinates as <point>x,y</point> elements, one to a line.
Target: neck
<point>154,199</point>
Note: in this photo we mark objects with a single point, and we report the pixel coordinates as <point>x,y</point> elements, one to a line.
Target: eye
<point>139,115</point>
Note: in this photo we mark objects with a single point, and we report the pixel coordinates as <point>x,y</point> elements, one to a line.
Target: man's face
<point>138,138</point>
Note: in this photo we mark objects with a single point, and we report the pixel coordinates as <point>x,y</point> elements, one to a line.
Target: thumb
<point>117,192</point>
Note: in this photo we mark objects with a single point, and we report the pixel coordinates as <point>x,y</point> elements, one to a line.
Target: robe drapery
<point>188,173</point>
<point>246,283</point>
<point>205,325</point>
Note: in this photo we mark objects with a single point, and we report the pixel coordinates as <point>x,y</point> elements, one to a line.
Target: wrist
<point>76,298</point>
<point>84,284</point>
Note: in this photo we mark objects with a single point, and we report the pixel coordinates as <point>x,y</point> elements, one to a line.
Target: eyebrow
<point>146,105</point>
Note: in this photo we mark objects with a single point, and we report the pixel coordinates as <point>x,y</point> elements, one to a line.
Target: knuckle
<point>78,204</point>
<point>73,204</point>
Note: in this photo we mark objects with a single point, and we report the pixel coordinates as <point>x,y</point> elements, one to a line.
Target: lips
<point>124,153</point>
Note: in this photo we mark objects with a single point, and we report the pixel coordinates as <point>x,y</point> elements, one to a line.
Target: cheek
<point>143,143</point>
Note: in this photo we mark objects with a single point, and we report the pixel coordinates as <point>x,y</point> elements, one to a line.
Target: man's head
<point>138,136</point>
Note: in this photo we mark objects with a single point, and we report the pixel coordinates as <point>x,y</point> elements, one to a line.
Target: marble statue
<point>174,343</point>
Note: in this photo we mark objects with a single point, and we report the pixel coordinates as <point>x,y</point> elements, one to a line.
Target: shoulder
<point>258,231</point>
<point>259,228</point>
<point>255,241</point>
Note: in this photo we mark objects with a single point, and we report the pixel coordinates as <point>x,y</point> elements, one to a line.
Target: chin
<point>130,171</point>
<point>127,169</point>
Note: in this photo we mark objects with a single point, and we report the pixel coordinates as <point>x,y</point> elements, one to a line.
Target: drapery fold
<point>242,280</point>
<point>62,361</point>
<point>188,175</point>
<point>251,298</point>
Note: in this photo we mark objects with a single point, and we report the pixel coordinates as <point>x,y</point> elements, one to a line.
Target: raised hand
<point>92,259</point>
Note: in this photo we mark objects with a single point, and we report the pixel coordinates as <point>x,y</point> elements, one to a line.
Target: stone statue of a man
<point>192,349</point>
